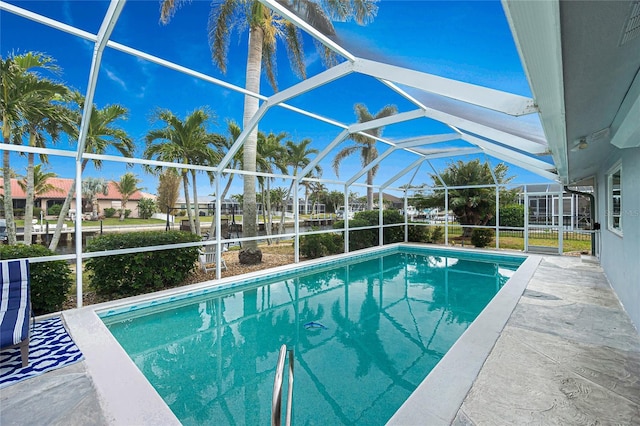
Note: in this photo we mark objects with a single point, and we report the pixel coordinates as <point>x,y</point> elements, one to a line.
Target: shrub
<point>369,237</point>
<point>147,207</point>
<point>419,234</point>
<point>109,212</point>
<point>54,210</point>
<point>510,215</point>
<point>50,281</point>
<point>437,235</point>
<point>18,212</point>
<point>319,245</point>
<point>481,237</point>
<point>127,212</point>
<point>36,212</point>
<point>138,273</point>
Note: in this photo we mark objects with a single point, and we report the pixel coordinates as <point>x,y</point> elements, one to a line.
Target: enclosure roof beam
<point>301,23</point>
<point>492,99</point>
<point>427,140</point>
<point>106,28</point>
<point>523,158</point>
<point>402,172</point>
<point>311,83</point>
<point>327,149</point>
<point>508,139</point>
<point>385,121</point>
<point>243,136</point>
<point>450,152</point>
<point>371,165</point>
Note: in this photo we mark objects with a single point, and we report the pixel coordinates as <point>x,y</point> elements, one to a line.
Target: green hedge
<point>50,281</point>
<point>319,245</point>
<point>511,215</point>
<point>138,273</point>
<point>359,239</point>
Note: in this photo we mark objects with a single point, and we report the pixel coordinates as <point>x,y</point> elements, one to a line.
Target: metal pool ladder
<point>276,402</point>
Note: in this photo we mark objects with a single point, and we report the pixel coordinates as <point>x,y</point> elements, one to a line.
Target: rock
<point>250,256</point>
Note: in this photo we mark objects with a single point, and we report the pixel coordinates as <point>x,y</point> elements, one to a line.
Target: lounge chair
<point>15,306</point>
<point>208,258</point>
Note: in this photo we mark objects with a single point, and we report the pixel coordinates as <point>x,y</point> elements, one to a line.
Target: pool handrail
<point>276,401</point>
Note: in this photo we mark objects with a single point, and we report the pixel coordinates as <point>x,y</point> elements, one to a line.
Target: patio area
<point>568,354</point>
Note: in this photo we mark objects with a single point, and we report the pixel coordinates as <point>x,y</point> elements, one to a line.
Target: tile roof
<point>65,186</point>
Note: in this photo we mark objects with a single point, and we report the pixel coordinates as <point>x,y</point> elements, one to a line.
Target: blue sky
<point>468,41</point>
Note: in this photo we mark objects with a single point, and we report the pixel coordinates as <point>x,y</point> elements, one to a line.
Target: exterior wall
<point>620,255</point>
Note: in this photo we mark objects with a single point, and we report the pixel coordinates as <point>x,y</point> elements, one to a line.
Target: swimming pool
<point>385,320</point>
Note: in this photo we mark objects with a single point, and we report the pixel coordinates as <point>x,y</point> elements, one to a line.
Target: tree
<point>168,190</point>
<point>264,28</point>
<point>146,207</point>
<point>364,145</point>
<point>471,206</point>
<point>27,108</point>
<point>298,157</point>
<point>102,133</point>
<point>91,187</point>
<point>127,186</point>
<point>185,142</point>
<point>271,154</point>
<point>40,185</point>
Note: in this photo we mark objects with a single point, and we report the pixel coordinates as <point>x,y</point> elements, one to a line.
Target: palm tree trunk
<point>28,208</point>
<point>370,190</point>
<point>268,217</point>
<point>123,207</point>
<point>196,208</point>
<point>8,199</point>
<point>284,208</point>
<point>187,202</point>
<point>63,212</point>
<point>254,62</point>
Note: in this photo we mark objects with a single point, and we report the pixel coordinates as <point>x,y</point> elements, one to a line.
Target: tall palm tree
<point>186,142</point>
<point>365,146</point>
<point>264,28</point>
<point>127,186</point>
<point>50,120</point>
<point>271,153</point>
<point>298,157</point>
<point>102,134</point>
<point>91,188</point>
<point>25,103</point>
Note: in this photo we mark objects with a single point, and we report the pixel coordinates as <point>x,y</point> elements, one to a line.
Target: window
<point>614,209</point>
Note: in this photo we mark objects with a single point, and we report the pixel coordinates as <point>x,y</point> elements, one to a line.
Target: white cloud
<point>113,77</point>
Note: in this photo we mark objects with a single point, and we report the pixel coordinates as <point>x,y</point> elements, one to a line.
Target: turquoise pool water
<point>387,320</point>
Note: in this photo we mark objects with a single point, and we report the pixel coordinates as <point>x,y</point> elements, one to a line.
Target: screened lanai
<point>439,119</point>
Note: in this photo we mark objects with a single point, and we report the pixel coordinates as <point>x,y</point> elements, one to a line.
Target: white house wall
<point>620,256</point>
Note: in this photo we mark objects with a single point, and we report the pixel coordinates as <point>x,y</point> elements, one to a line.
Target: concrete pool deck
<point>568,354</point>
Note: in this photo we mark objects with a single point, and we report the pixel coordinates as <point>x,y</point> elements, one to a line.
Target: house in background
<point>56,196</point>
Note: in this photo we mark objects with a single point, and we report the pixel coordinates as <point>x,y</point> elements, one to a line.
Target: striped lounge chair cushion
<point>14,302</point>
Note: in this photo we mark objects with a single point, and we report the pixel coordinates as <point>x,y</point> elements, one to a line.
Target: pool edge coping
<point>135,401</point>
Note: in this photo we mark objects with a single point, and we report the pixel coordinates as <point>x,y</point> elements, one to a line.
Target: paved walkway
<point>568,355</point>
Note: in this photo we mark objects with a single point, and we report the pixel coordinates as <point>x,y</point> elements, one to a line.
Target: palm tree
<point>102,134</point>
<point>365,146</point>
<point>264,28</point>
<point>127,186</point>
<point>185,142</point>
<point>270,155</point>
<point>40,182</point>
<point>298,157</point>
<point>91,187</point>
<point>27,107</point>
<point>471,205</point>
<point>224,144</point>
